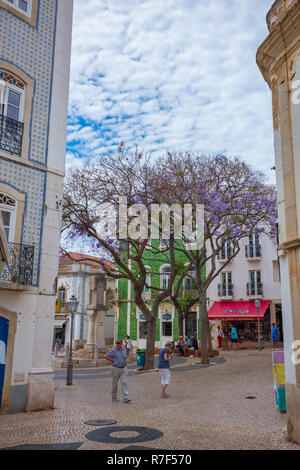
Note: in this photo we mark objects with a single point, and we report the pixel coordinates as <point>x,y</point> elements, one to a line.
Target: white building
<point>35,49</point>
<point>253,273</point>
<point>76,277</point>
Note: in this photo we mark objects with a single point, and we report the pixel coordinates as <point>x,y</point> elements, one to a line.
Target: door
<point>3,347</point>
<point>166,328</point>
<point>142,338</point>
<point>191,325</point>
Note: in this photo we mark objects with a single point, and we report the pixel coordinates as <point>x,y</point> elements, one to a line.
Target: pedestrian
<point>127,344</point>
<point>234,338</point>
<point>118,356</point>
<point>164,368</point>
<point>275,332</point>
<point>220,336</point>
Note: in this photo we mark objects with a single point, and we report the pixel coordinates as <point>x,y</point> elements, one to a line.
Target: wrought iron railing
<point>20,267</point>
<point>253,251</point>
<point>225,290</point>
<point>254,289</point>
<point>11,135</point>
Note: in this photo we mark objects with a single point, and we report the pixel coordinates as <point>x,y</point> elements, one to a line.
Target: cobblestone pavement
<point>207,409</point>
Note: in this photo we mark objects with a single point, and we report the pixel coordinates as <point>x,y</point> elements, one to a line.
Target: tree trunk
<point>209,341</point>
<point>150,344</point>
<point>180,324</point>
<point>204,332</point>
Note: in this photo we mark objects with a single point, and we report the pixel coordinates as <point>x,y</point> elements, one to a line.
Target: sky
<point>170,75</point>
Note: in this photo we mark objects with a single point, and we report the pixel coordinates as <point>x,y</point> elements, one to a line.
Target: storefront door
<point>191,325</point>
<point>3,347</point>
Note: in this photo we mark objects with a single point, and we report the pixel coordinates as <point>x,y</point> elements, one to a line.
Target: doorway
<point>4,323</point>
<point>191,324</point>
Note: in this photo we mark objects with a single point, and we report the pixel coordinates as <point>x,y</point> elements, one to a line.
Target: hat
<point>168,343</point>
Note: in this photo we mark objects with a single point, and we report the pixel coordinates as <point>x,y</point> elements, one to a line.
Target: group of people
<point>118,357</point>
<point>234,336</point>
<point>184,344</point>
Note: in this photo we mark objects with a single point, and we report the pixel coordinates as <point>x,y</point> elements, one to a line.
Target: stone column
<point>279,61</point>
<point>90,343</point>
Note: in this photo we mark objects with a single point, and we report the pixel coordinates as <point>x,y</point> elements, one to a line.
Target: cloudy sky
<point>170,74</point>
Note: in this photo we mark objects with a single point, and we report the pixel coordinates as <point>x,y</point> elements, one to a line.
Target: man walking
<point>275,332</point>
<point>164,368</point>
<point>220,336</point>
<point>118,356</point>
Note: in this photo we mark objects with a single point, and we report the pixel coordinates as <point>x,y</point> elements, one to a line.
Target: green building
<point>130,319</point>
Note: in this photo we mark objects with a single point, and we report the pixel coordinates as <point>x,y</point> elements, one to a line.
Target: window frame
<point>12,225</point>
<point>19,91</point>
<point>15,4</point>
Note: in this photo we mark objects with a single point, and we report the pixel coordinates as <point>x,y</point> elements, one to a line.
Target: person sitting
<point>179,345</point>
<point>194,345</point>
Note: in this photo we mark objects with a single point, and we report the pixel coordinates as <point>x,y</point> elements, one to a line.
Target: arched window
<point>8,212</point>
<point>11,96</point>
<point>62,295</point>
<point>165,277</point>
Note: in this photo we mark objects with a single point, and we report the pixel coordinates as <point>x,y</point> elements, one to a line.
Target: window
<point>165,277</point>
<point>226,288</point>
<point>253,250</point>
<point>8,213</point>
<point>226,251</point>
<point>11,96</point>
<point>167,324</point>
<point>24,6</point>
<point>62,294</point>
<point>255,286</point>
<point>189,280</point>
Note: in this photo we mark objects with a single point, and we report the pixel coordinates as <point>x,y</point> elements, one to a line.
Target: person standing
<point>275,332</point>
<point>220,336</point>
<point>118,357</point>
<point>164,368</point>
<point>127,344</point>
<point>234,338</point>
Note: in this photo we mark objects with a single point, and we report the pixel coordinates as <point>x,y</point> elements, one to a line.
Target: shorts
<point>165,376</point>
<point>233,340</point>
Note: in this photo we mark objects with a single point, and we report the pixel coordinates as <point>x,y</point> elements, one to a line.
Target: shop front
<point>245,317</point>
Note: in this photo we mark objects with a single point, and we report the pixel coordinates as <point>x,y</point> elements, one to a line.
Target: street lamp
<point>72,308</point>
<point>258,305</point>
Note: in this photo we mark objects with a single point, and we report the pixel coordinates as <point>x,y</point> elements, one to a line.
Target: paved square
<point>207,409</point>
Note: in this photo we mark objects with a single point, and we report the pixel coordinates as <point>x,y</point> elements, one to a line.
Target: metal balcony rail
<point>253,251</point>
<point>254,289</point>
<point>11,135</point>
<point>20,267</point>
<point>225,290</point>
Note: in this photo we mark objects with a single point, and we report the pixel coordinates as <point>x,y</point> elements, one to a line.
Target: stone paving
<point>207,409</point>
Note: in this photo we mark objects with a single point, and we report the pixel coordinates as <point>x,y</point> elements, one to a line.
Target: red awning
<point>237,310</point>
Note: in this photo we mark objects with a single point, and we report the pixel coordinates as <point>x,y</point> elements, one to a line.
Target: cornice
<point>281,44</point>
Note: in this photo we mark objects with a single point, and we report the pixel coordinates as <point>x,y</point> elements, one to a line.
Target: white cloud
<point>172,74</point>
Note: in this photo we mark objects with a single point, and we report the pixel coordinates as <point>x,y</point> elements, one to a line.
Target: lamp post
<point>258,305</point>
<point>72,308</point>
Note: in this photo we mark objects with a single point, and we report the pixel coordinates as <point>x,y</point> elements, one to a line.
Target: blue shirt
<point>119,356</point>
<point>162,364</point>
<point>234,334</point>
<point>275,333</point>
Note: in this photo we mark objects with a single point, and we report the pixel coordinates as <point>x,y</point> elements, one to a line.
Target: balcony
<point>61,306</point>
<point>225,290</point>
<point>254,289</point>
<point>253,252</point>
<point>11,135</point>
<point>19,270</point>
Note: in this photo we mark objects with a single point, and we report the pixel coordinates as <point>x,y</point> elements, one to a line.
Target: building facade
<point>279,61</point>
<point>252,274</point>
<point>76,276</point>
<point>132,322</point>
<point>35,49</point>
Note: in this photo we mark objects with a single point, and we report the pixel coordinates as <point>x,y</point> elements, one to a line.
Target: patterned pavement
<point>208,408</point>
